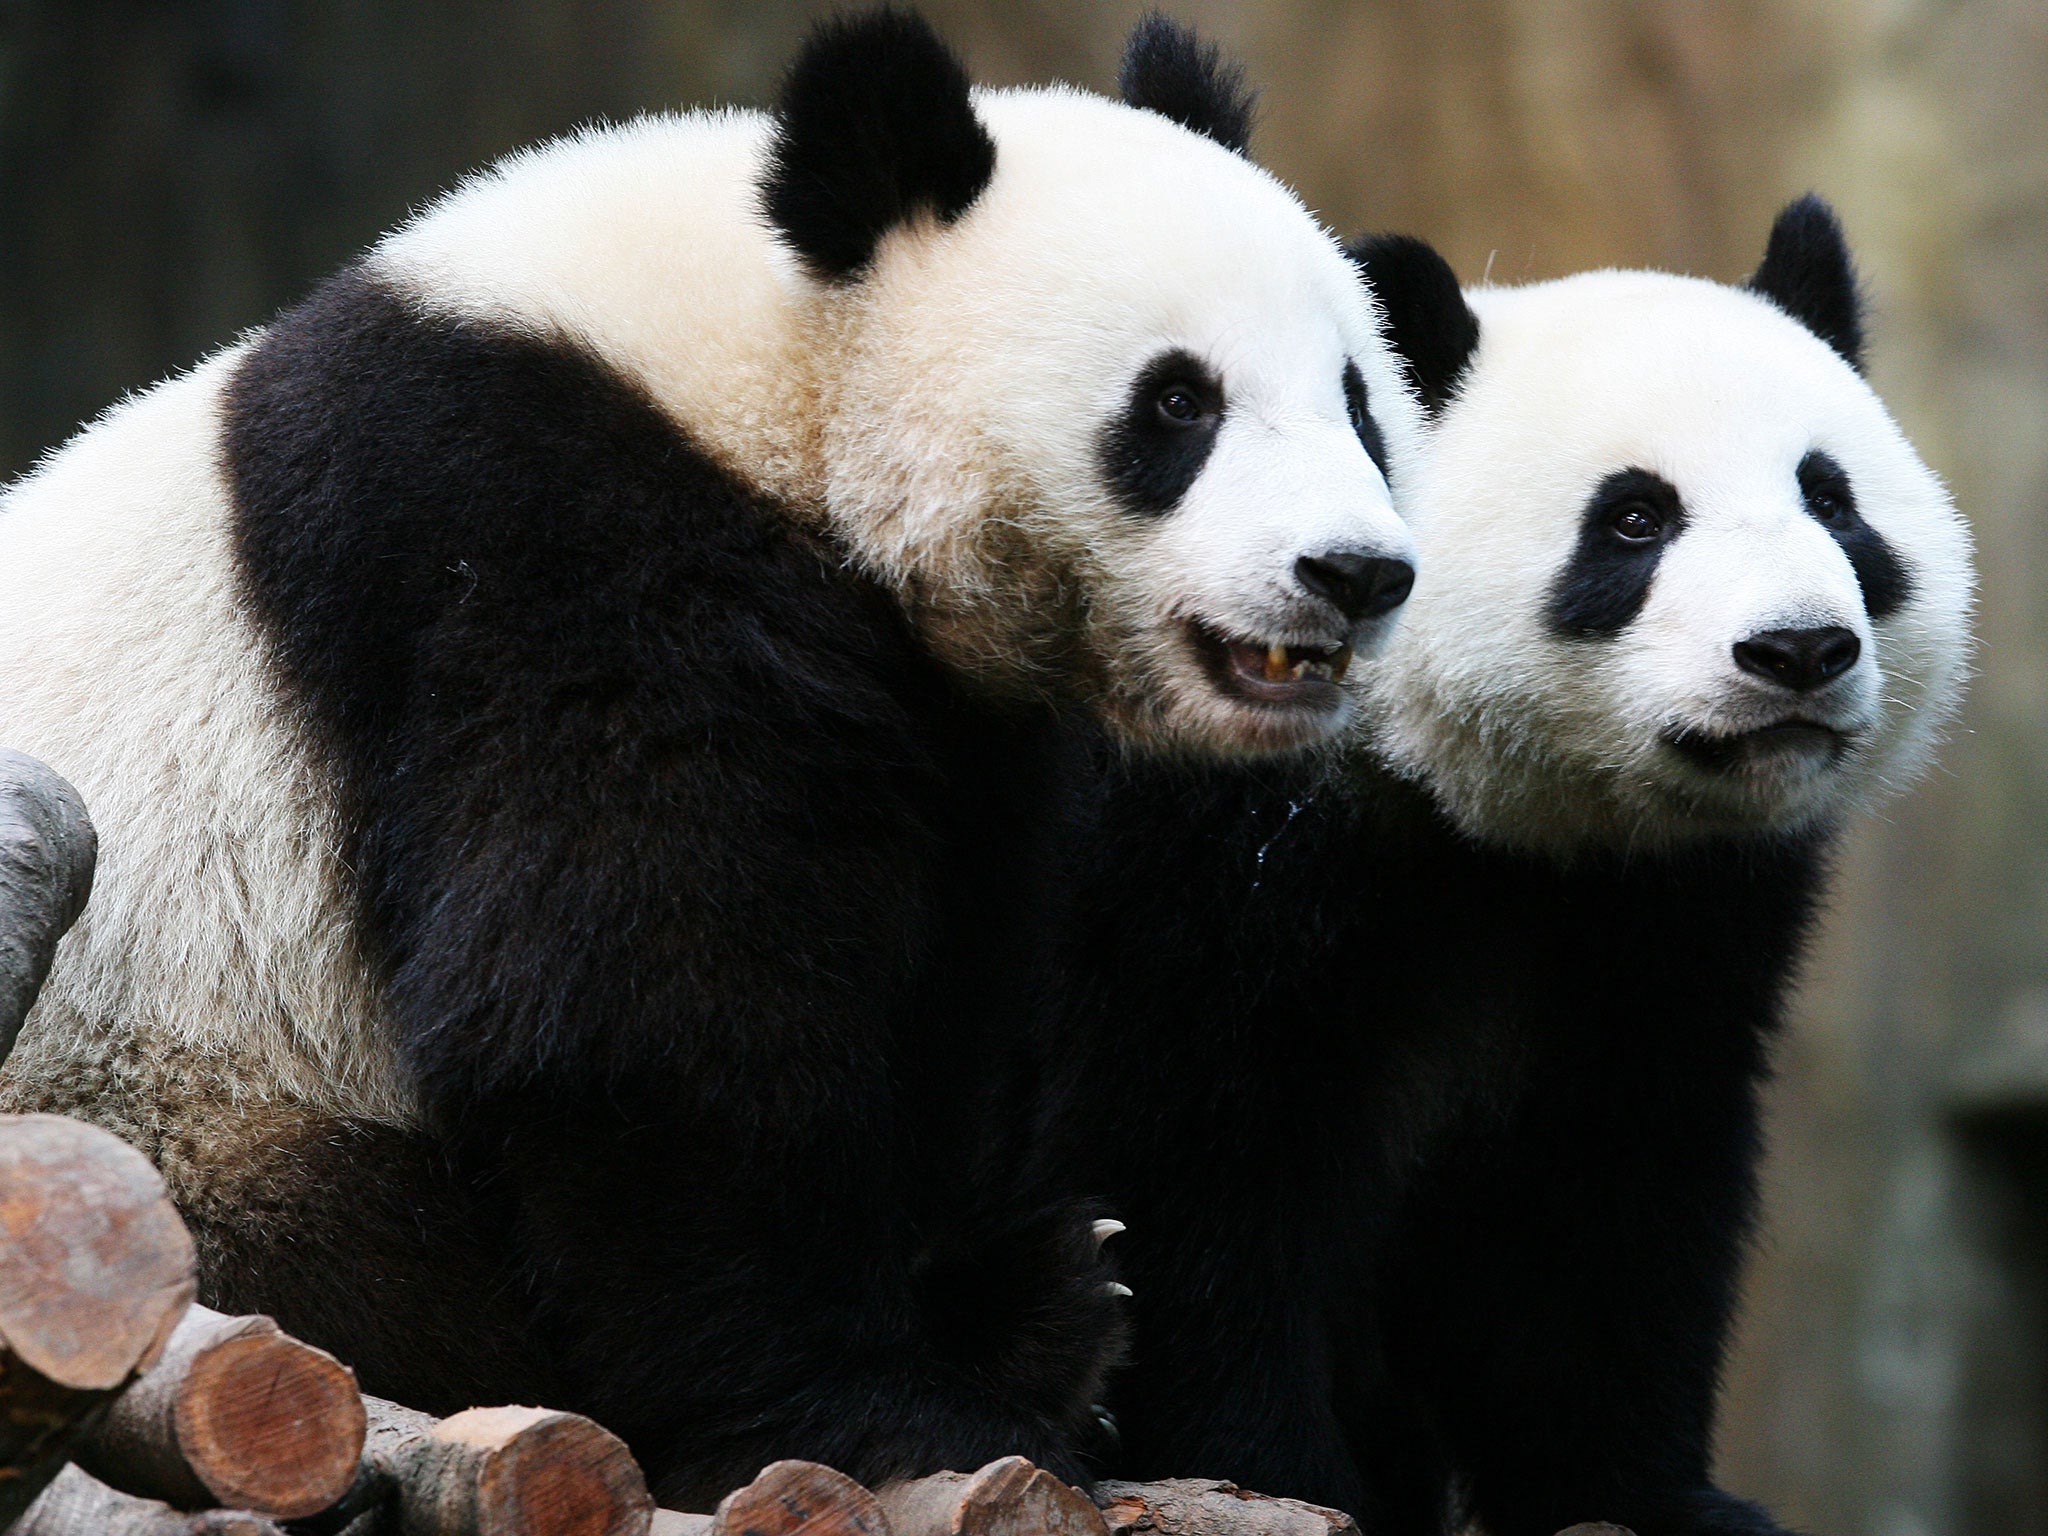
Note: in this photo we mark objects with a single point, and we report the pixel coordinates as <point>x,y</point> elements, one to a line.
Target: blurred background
<point>174,170</point>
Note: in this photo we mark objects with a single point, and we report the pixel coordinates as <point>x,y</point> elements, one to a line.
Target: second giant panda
<point>564,708</point>
<point>1426,1072</point>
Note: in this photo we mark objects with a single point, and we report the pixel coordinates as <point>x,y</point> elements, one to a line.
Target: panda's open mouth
<point>1783,740</point>
<point>1291,675</point>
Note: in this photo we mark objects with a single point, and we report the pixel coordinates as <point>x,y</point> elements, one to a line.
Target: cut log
<point>77,1504</point>
<point>491,1472</point>
<point>1190,1506</point>
<point>47,850</point>
<point>237,1415</point>
<point>95,1271</point>
<point>792,1497</point>
<point>1010,1497</point>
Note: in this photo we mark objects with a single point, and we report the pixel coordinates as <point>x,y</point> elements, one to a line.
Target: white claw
<point>1105,1230</point>
<point>1116,1288</point>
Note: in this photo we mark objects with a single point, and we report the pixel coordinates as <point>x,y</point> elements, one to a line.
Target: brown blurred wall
<point>172,172</point>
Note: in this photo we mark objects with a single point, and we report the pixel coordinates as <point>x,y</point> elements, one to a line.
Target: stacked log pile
<point>128,1410</point>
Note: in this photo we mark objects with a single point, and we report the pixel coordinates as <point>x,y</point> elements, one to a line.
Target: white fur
<point>217,931</point>
<point>940,413</point>
<point>1535,740</point>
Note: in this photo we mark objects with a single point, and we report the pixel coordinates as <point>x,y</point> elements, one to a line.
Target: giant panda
<point>1425,1069</point>
<point>567,709</point>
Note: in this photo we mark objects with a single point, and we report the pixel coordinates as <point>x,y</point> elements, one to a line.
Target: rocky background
<point>174,170</point>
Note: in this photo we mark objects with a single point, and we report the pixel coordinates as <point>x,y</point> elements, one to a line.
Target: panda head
<point>1103,403</point>
<point>1683,577</point>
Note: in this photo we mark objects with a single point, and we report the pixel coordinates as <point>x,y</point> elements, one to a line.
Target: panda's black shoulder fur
<point>1442,1171</point>
<point>1168,69</point>
<point>675,850</point>
<point>538,629</point>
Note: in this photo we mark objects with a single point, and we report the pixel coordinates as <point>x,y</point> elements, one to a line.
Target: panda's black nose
<point>1799,659</point>
<point>1361,586</point>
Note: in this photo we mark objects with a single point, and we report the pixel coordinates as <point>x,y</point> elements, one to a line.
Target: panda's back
<point>223,945</point>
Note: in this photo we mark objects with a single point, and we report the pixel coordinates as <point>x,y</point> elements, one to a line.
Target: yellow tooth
<point>1276,663</point>
<point>1340,664</point>
<point>1298,671</point>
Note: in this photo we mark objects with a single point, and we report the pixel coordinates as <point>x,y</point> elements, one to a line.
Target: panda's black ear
<point>1426,319</point>
<point>1806,272</point>
<point>874,127</point>
<point>1169,70</point>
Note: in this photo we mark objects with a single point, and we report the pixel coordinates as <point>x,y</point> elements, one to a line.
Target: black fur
<point>692,880</point>
<point>1807,272</point>
<point>1167,69</point>
<point>1440,1172</point>
<point>874,128</point>
<point>1360,410</point>
<point>1607,580</point>
<point>1424,312</point>
<point>1151,456</point>
<point>1831,499</point>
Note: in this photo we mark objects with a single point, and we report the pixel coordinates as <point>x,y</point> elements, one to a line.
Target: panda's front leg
<point>1569,1329</point>
<point>724,1295</point>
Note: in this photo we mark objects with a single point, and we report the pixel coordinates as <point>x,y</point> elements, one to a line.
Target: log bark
<point>1188,1506</point>
<point>788,1498</point>
<point>95,1271</point>
<point>77,1504</point>
<point>1010,1497</point>
<point>47,850</point>
<point>490,1472</point>
<point>237,1414</point>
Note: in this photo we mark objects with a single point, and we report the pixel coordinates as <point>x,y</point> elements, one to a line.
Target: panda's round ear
<point>1806,272</point>
<point>873,128</point>
<point>1423,311</point>
<point>1169,70</point>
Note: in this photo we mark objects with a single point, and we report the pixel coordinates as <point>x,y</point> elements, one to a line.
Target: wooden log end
<point>96,1267</point>
<point>1010,1497</point>
<point>268,1423</point>
<point>1194,1506</point>
<point>800,1496</point>
<point>542,1473</point>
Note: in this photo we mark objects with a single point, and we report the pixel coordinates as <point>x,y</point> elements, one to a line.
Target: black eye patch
<point>1831,502</point>
<point>1630,520</point>
<point>1362,423</point>
<point>1154,448</point>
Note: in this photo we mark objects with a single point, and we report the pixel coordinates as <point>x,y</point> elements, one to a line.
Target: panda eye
<point>1362,424</point>
<point>1827,505</point>
<point>1182,405</point>
<point>1636,522</point>
<point>1825,488</point>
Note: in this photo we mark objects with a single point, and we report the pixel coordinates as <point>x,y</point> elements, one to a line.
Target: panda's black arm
<point>649,827</point>
<point>1189,1086</point>
<point>1577,1277</point>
